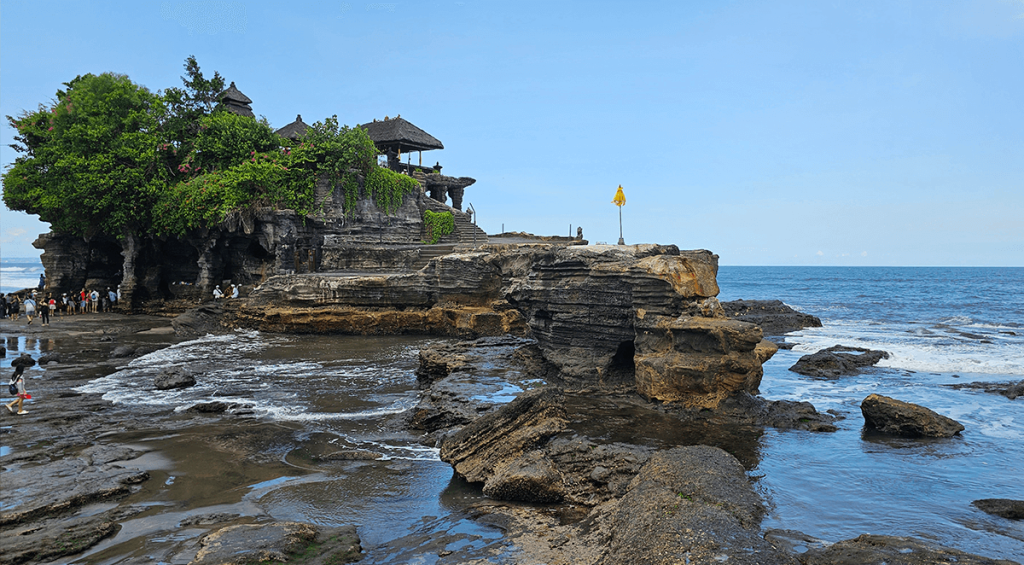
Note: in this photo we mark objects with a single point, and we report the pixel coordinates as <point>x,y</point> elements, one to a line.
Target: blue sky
<point>772,133</point>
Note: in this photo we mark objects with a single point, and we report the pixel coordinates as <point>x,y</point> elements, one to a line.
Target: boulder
<point>529,478</point>
<point>891,550</point>
<point>278,542</point>
<point>1003,507</point>
<point>1014,390</point>
<point>494,440</point>
<point>175,377</point>
<point>837,361</point>
<point>199,321</point>
<point>47,358</point>
<point>122,351</point>
<point>690,505</point>
<point>896,417</point>
<point>437,363</point>
<point>698,361</point>
<point>772,316</point>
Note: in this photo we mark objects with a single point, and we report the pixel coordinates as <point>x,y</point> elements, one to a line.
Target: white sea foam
<point>914,348</point>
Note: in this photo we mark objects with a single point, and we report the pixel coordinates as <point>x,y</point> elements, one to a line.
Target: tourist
<point>94,300</point>
<point>112,296</point>
<point>217,293</point>
<point>42,280</point>
<point>14,307</point>
<point>30,309</point>
<point>44,311</point>
<point>234,291</point>
<point>3,305</point>
<point>19,381</point>
<point>83,302</point>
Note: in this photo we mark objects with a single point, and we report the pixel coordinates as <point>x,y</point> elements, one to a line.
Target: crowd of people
<point>32,304</point>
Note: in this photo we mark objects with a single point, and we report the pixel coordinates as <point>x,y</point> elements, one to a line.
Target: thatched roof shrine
<point>294,130</point>
<point>236,102</point>
<point>400,136</point>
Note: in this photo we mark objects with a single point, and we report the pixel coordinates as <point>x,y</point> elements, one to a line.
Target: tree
<point>89,162</point>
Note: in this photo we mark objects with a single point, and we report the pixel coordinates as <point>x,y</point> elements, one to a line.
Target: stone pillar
<point>456,194</point>
<point>206,264</point>
<point>130,252</point>
<point>439,193</point>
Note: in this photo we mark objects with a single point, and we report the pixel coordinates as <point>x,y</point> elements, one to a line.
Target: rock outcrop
<point>891,550</point>
<point>836,361</point>
<point>478,451</point>
<point>690,505</point>
<point>607,316</point>
<point>895,417</point>
<point>279,542</point>
<point>1003,507</point>
<point>773,316</point>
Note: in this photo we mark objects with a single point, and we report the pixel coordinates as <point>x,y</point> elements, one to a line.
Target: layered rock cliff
<point>607,316</point>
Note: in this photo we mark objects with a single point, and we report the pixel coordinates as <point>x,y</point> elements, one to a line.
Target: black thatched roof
<point>294,130</point>
<point>400,135</point>
<point>234,95</point>
<point>235,101</point>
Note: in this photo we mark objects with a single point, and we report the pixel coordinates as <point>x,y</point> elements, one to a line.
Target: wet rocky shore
<point>571,474</point>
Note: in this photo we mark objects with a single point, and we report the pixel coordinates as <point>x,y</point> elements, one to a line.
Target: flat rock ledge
<point>278,542</point>
<point>773,316</point>
<point>895,417</point>
<point>836,361</point>
<point>1002,507</point>
<point>892,550</point>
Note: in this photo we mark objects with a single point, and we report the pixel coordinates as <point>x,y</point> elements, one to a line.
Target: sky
<point>815,132</point>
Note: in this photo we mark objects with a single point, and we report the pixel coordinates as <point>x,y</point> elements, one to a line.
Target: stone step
<point>466,232</point>
<point>428,252</point>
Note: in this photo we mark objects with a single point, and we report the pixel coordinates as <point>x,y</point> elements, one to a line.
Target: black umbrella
<point>25,360</point>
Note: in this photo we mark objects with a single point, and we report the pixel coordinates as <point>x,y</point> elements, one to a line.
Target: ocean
<point>942,327</point>
<point>17,273</point>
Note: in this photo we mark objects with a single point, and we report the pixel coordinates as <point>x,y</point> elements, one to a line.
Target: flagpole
<point>621,241</point>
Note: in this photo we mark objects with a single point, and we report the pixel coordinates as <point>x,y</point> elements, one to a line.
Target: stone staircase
<point>428,252</point>
<point>466,232</point>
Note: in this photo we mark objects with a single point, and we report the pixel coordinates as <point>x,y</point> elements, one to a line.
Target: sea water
<point>941,326</point>
<point>18,273</point>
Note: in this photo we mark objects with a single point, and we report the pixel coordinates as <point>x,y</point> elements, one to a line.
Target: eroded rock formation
<point>608,316</point>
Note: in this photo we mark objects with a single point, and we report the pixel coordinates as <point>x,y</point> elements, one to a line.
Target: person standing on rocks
<point>19,383</point>
<point>112,296</point>
<point>30,309</point>
<point>94,300</point>
<point>14,307</point>
<point>44,311</point>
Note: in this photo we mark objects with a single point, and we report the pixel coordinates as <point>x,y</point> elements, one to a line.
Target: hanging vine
<point>388,188</point>
<point>439,224</point>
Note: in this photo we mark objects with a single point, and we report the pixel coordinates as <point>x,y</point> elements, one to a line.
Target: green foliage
<point>226,139</point>
<point>90,161</point>
<point>439,224</point>
<point>108,156</point>
<point>388,188</point>
<point>187,106</point>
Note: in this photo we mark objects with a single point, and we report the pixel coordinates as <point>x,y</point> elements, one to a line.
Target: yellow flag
<point>620,197</point>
